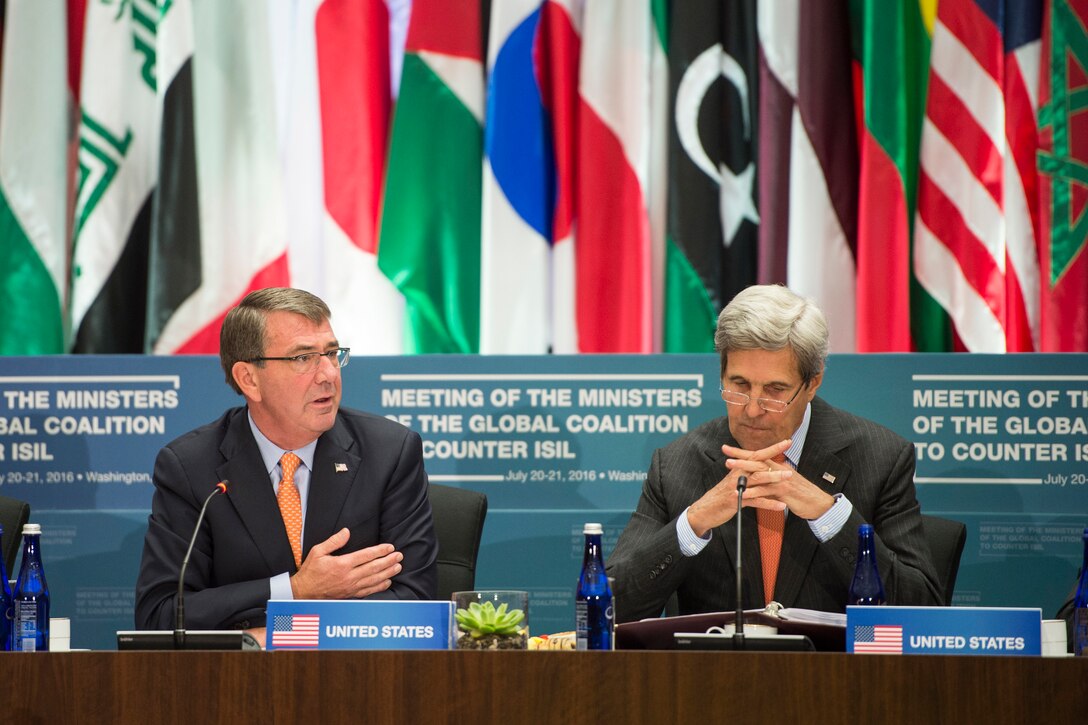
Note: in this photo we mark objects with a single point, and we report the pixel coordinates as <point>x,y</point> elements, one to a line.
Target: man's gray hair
<point>242,337</point>
<point>771,317</point>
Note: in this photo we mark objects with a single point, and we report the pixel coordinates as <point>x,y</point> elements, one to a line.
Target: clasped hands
<point>771,485</point>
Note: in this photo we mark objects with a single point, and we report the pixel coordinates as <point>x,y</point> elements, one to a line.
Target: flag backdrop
<point>532,176</point>
<point>33,184</point>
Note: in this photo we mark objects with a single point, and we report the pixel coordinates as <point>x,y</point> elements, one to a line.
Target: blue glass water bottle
<point>31,606</point>
<point>866,587</point>
<point>593,614</point>
<point>5,601</point>
<point>1080,607</point>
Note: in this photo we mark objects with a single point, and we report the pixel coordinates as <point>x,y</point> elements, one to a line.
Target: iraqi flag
<point>118,167</point>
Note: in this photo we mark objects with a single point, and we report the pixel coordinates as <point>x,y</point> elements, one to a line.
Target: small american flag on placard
<point>879,638</point>
<point>296,630</point>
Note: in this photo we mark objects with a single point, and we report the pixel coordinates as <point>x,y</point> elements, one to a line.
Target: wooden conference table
<point>539,687</point>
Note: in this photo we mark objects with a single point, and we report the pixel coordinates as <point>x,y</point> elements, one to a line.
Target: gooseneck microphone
<point>738,620</point>
<point>179,605</point>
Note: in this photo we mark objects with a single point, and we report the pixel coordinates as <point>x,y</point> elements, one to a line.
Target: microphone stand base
<point>740,643</point>
<point>228,639</point>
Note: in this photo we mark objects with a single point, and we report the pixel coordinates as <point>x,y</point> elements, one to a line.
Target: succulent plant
<point>483,619</point>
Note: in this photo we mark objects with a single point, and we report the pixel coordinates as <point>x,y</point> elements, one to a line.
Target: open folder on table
<point>827,630</point>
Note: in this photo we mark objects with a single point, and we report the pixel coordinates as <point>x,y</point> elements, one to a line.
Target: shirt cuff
<point>827,526</point>
<point>690,543</point>
<point>279,587</point>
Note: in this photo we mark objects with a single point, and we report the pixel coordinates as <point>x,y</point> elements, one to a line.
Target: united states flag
<point>974,236</point>
<point>296,630</point>
<point>880,638</point>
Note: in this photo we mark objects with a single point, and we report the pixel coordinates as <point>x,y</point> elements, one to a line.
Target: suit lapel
<point>337,463</point>
<point>821,465</point>
<point>251,493</point>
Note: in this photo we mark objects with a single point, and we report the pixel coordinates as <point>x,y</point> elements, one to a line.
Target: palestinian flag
<point>430,224</point>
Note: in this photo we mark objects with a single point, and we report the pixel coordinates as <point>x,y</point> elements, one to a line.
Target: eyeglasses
<point>771,405</point>
<point>307,362</point>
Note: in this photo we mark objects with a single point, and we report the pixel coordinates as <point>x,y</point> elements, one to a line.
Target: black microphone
<point>738,619</point>
<point>179,605</point>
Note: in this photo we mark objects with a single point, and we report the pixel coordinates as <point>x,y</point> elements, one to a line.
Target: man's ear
<point>245,375</point>
<point>814,385</point>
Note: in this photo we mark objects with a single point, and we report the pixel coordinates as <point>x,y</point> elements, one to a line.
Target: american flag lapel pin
<point>340,467</point>
<point>829,478</point>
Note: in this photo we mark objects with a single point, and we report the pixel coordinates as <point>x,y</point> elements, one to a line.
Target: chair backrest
<point>946,539</point>
<point>458,525</point>
<point>13,514</point>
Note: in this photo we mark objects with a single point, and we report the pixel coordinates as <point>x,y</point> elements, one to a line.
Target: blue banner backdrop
<point>554,442</point>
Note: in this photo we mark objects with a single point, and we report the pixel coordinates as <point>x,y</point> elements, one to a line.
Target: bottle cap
<point>593,529</point>
<point>32,529</point>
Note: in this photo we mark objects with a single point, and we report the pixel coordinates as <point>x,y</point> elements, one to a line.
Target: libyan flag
<point>712,233</point>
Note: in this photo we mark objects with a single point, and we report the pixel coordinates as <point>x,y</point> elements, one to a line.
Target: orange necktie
<point>771,525</point>
<point>291,504</point>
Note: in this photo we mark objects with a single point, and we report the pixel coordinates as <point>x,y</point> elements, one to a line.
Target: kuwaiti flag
<point>118,166</point>
<point>33,188</point>
<point>527,260</point>
<point>243,234</point>
<point>174,266</point>
<point>430,224</point>
<point>614,245</point>
<point>808,174</point>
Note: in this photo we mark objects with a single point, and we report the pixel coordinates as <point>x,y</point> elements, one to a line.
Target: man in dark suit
<point>323,502</point>
<point>801,510</point>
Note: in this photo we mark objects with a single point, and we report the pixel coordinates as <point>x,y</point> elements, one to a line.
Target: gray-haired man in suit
<point>838,471</point>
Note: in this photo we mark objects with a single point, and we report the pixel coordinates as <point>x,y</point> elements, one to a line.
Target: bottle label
<point>581,625</point>
<point>593,623</point>
<point>1080,632</point>
<point>26,626</point>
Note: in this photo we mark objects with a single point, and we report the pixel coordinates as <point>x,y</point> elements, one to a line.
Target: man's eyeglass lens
<point>308,361</point>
